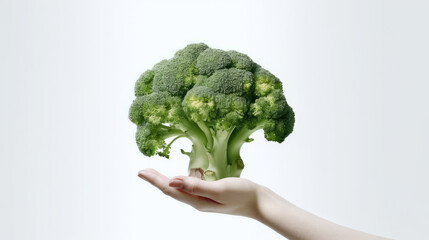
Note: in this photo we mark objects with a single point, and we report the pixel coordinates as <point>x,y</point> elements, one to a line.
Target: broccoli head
<point>214,98</point>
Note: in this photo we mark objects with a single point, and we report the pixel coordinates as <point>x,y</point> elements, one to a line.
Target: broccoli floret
<point>191,52</point>
<point>199,104</point>
<point>214,98</point>
<point>265,82</point>
<point>231,80</point>
<point>211,60</point>
<point>144,83</point>
<point>151,137</point>
<point>241,60</point>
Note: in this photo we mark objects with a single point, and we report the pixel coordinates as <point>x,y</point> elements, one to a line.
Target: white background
<point>355,72</point>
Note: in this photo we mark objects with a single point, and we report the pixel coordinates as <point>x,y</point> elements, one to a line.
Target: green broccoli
<point>214,98</point>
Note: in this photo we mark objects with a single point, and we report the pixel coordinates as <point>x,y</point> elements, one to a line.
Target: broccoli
<point>214,98</point>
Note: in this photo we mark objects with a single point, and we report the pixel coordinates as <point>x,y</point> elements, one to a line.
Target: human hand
<point>236,196</point>
<point>242,197</point>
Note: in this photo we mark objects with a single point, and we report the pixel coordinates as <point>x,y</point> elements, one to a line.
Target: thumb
<point>196,186</point>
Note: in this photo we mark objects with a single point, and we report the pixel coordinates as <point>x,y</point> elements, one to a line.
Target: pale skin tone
<point>239,196</point>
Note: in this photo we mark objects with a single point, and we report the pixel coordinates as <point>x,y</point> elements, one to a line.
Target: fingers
<point>155,178</point>
<point>162,183</point>
<point>198,187</point>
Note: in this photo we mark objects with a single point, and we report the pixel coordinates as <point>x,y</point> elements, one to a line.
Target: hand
<point>242,197</point>
<point>235,196</point>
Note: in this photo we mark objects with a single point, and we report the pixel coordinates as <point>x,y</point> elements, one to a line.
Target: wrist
<point>276,212</point>
<point>267,202</point>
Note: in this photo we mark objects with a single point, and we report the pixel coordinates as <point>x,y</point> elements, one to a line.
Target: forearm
<point>295,223</point>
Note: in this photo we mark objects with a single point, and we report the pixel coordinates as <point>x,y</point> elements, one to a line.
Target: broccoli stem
<point>237,139</point>
<point>168,131</point>
<point>214,161</point>
<point>193,131</point>
<point>198,156</point>
<point>203,126</point>
<point>216,152</point>
<point>177,137</point>
<point>217,156</point>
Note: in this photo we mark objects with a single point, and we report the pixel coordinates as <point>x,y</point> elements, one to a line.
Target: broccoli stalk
<point>214,98</point>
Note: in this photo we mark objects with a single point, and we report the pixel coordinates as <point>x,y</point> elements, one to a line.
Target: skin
<point>239,196</point>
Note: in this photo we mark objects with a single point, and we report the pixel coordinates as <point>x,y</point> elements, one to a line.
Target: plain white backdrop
<point>355,72</point>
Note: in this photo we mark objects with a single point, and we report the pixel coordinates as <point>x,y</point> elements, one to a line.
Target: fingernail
<point>177,183</point>
<point>143,174</point>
